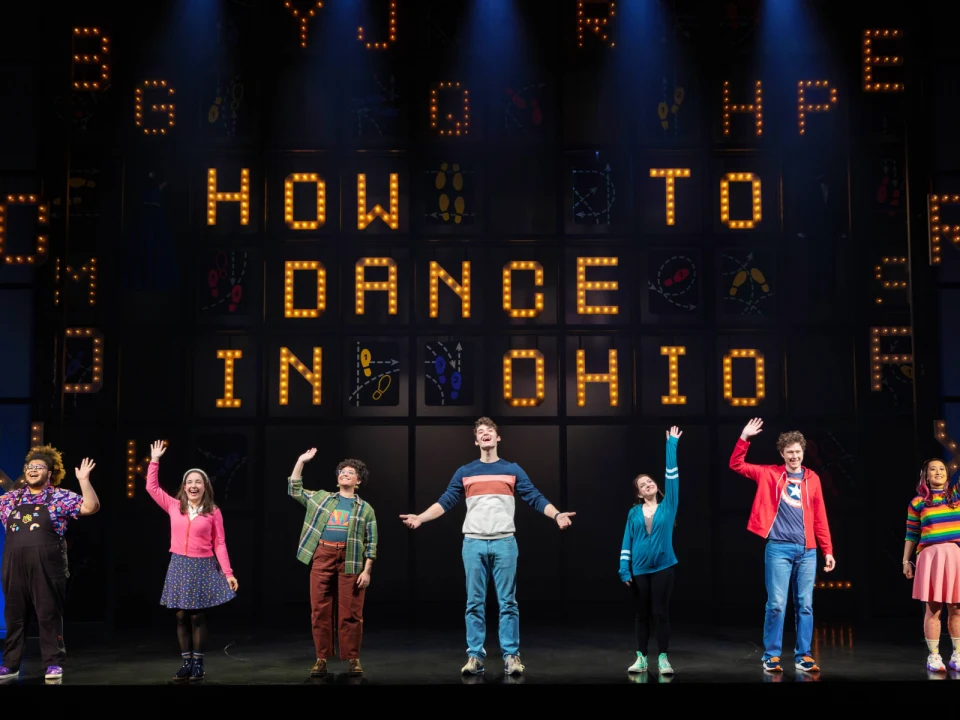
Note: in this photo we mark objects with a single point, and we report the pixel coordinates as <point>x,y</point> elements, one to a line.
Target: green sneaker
<point>663,665</point>
<point>640,666</point>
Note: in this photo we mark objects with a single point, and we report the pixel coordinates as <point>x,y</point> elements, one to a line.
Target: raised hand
<point>411,521</point>
<point>308,455</point>
<point>157,450</point>
<point>754,427</point>
<point>674,432</point>
<point>83,472</point>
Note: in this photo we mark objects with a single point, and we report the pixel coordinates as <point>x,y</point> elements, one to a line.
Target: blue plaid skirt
<point>195,583</point>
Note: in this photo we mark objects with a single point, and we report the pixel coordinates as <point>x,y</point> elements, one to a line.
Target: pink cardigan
<point>201,537</point>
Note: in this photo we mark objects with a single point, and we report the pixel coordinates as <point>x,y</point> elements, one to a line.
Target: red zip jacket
<point>770,481</point>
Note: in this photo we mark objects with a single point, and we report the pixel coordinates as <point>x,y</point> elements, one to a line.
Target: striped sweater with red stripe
<point>933,523</point>
<point>490,489</point>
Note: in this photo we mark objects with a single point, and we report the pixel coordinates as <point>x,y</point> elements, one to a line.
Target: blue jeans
<point>481,560</point>
<point>788,567</point>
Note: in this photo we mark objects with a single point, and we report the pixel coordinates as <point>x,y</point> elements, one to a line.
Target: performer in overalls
<point>35,555</point>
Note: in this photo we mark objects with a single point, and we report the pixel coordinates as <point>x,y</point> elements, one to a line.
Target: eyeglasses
<point>40,468</point>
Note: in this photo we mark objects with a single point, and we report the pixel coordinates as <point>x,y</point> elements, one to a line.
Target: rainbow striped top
<point>933,523</point>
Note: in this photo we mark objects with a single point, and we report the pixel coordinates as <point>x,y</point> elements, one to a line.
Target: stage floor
<point>553,657</point>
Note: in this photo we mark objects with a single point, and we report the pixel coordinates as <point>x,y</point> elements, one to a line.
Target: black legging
<point>651,595</point>
<point>191,640</point>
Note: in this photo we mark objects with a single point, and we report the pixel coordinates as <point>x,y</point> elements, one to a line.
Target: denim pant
<point>788,567</point>
<point>481,560</point>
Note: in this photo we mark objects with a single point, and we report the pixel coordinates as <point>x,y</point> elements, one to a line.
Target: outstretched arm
<point>447,501</point>
<point>295,484</point>
<point>738,459</point>
<point>153,478</point>
<point>671,475</point>
<point>535,499</point>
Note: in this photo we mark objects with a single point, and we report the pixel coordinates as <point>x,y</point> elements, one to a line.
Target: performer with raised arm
<point>933,529</point>
<point>339,543</point>
<point>647,558</point>
<point>35,555</point>
<point>199,576</point>
<point>789,512</point>
<point>489,546</point>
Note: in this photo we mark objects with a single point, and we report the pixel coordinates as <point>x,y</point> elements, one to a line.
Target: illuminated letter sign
<point>43,218</point>
<point>390,286</point>
<point>889,284</point>
<point>314,376</point>
<point>364,218</point>
<point>936,230</point>
<point>725,201</point>
<point>82,59</point>
<point>291,267</point>
<point>462,289</point>
<point>673,370</point>
<point>596,25</point>
<point>878,358</point>
<point>97,384</point>
<point>288,214</point>
<point>755,108</point>
<point>728,377</point>
<point>167,108</point>
<point>508,270</point>
<point>540,377</point>
<point>303,17</point>
<point>870,61</point>
<point>392,33</point>
<point>456,127</point>
<point>214,196</point>
<point>228,357</point>
<point>609,377</point>
<point>803,107</point>
<point>669,175</point>
<point>583,286</point>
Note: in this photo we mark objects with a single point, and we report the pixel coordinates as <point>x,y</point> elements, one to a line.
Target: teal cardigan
<point>642,552</point>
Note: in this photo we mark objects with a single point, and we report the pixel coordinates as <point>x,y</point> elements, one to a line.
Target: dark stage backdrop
<point>178,282</point>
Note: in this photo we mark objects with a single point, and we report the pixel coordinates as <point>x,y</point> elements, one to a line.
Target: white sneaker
<point>935,663</point>
<point>955,660</point>
<point>639,666</point>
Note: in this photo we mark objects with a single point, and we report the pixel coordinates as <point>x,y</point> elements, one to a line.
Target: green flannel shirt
<point>361,533</point>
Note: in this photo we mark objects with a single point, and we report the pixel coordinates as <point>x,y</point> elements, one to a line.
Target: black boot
<point>197,673</point>
<point>186,669</point>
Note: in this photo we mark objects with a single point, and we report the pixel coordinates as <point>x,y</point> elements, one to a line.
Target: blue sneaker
<point>772,665</point>
<point>8,674</point>
<point>807,664</point>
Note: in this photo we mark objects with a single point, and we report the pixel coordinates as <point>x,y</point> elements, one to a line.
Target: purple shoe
<point>8,674</point>
<point>54,672</point>
<point>955,661</point>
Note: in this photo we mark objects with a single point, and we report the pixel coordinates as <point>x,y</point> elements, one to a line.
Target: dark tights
<point>651,596</point>
<point>191,639</point>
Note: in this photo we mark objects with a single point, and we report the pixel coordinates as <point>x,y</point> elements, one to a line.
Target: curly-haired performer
<point>339,543</point>
<point>933,518</point>
<point>35,555</point>
<point>788,510</point>
<point>199,576</point>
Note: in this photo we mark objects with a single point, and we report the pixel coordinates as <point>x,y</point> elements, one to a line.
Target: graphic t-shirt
<point>336,529</point>
<point>788,526</point>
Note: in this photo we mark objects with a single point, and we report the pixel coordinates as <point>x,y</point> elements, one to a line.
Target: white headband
<point>196,470</point>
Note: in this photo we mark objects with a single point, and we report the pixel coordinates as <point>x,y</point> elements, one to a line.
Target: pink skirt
<point>937,575</point>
